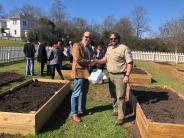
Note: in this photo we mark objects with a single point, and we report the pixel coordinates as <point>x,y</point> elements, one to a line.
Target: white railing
<point>158,56</point>
<point>10,54</point>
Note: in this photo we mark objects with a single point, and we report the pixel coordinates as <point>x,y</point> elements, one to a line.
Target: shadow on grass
<point>153,81</point>
<point>100,108</point>
<point>59,117</point>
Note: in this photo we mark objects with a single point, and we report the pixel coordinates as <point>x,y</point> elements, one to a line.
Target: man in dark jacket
<point>29,51</point>
<point>42,56</point>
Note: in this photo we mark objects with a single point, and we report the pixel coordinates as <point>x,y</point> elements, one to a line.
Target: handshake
<point>93,62</point>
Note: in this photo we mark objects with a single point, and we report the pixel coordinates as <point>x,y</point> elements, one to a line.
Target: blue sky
<point>158,11</point>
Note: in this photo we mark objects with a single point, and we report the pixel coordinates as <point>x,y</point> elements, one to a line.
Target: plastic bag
<point>97,76</point>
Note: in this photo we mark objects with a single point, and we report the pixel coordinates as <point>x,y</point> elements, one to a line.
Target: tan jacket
<point>80,65</point>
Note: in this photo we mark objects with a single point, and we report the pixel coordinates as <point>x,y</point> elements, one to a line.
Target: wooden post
<point>177,58</point>
<point>8,56</point>
<point>153,56</point>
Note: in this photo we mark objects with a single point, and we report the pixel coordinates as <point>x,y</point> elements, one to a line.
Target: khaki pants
<point>117,90</point>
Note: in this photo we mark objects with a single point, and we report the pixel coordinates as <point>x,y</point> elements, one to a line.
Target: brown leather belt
<point>118,73</point>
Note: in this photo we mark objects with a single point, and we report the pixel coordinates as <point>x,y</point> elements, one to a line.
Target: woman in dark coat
<point>42,56</point>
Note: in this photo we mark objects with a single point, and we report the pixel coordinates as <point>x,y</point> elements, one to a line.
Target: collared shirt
<point>87,50</point>
<point>117,58</point>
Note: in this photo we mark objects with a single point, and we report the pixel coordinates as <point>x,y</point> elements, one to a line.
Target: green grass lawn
<point>11,43</point>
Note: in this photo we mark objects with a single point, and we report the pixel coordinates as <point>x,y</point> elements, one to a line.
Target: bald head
<point>86,38</point>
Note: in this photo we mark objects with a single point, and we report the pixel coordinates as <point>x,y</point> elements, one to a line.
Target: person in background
<point>69,48</point>
<point>100,54</point>
<point>55,58</point>
<point>119,61</point>
<point>62,50</point>
<point>29,51</point>
<point>80,73</point>
<point>48,48</point>
<point>42,55</point>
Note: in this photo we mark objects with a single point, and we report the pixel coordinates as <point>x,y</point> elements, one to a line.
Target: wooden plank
<point>166,129</point>
<point>21,85</point>
<point>141,122</point>
<point>17,123</point>
<point>44,113</point>
<point>17,129</point>
<point>17,118</point>
<point>140,78</point>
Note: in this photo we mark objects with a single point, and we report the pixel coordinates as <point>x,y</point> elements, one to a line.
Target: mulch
<point>9,77</point>
<point>160,105</point>
<point>138,71</point>
<point>28,98</point>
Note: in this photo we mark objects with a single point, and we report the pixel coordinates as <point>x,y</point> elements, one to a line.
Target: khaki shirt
<point>117,58</point>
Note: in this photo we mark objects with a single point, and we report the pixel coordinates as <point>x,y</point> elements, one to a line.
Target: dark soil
<point>160,105</point>
<point>164,63</point>
<point>9,77</point>
<point>180,70</point>
<point>28,98</point>
<point>138,71</point>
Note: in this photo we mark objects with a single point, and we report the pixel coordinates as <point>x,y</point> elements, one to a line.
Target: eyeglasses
<point>113,38</point>
<point>87,37</point>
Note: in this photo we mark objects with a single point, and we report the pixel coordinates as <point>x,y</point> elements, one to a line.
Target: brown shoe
<point>114,114</point>
<point>76,118</point>
<point>120,122</point>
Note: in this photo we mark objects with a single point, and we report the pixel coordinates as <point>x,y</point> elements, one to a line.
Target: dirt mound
<point>138,71</point>
<point>8,77</point>
<point>28,98</point>
<point>160,105</point>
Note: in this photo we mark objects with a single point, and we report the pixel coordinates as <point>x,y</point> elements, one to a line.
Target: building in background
<point>17,26</point>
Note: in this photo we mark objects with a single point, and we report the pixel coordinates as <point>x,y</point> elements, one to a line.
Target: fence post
<point>8,56</point>
<point>153,56</point>
<point>177,58</point>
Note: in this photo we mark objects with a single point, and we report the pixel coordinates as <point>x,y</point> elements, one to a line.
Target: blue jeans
<point>79,94</point>
<point>29,66</point>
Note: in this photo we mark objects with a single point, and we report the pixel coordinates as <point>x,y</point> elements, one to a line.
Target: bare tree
<point>79,23</point>
<point>57,12</point>
<point>172,32</point>
<point>124,27</point>
<point>27,9</point>
<point>109,23</point>
<point>139,21</point>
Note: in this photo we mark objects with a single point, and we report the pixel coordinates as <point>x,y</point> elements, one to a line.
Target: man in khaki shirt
<point>119,63</point>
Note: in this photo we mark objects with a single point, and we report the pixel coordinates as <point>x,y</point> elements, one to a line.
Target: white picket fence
<point>158,56</point>
<point>10,54</point>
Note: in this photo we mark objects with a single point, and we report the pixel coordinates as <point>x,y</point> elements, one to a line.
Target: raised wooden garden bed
<point>163,65</point>
<point>29,121</point>
<point>179,74</point>
<point>139,76</point>
<point>66,71</point>
<point>159,112</point>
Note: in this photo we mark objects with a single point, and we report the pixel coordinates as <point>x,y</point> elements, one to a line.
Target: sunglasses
<point>113,38</point>
<point>87,37</point>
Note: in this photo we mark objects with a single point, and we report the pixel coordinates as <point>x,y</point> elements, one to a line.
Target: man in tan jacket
<point>80,72</point>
